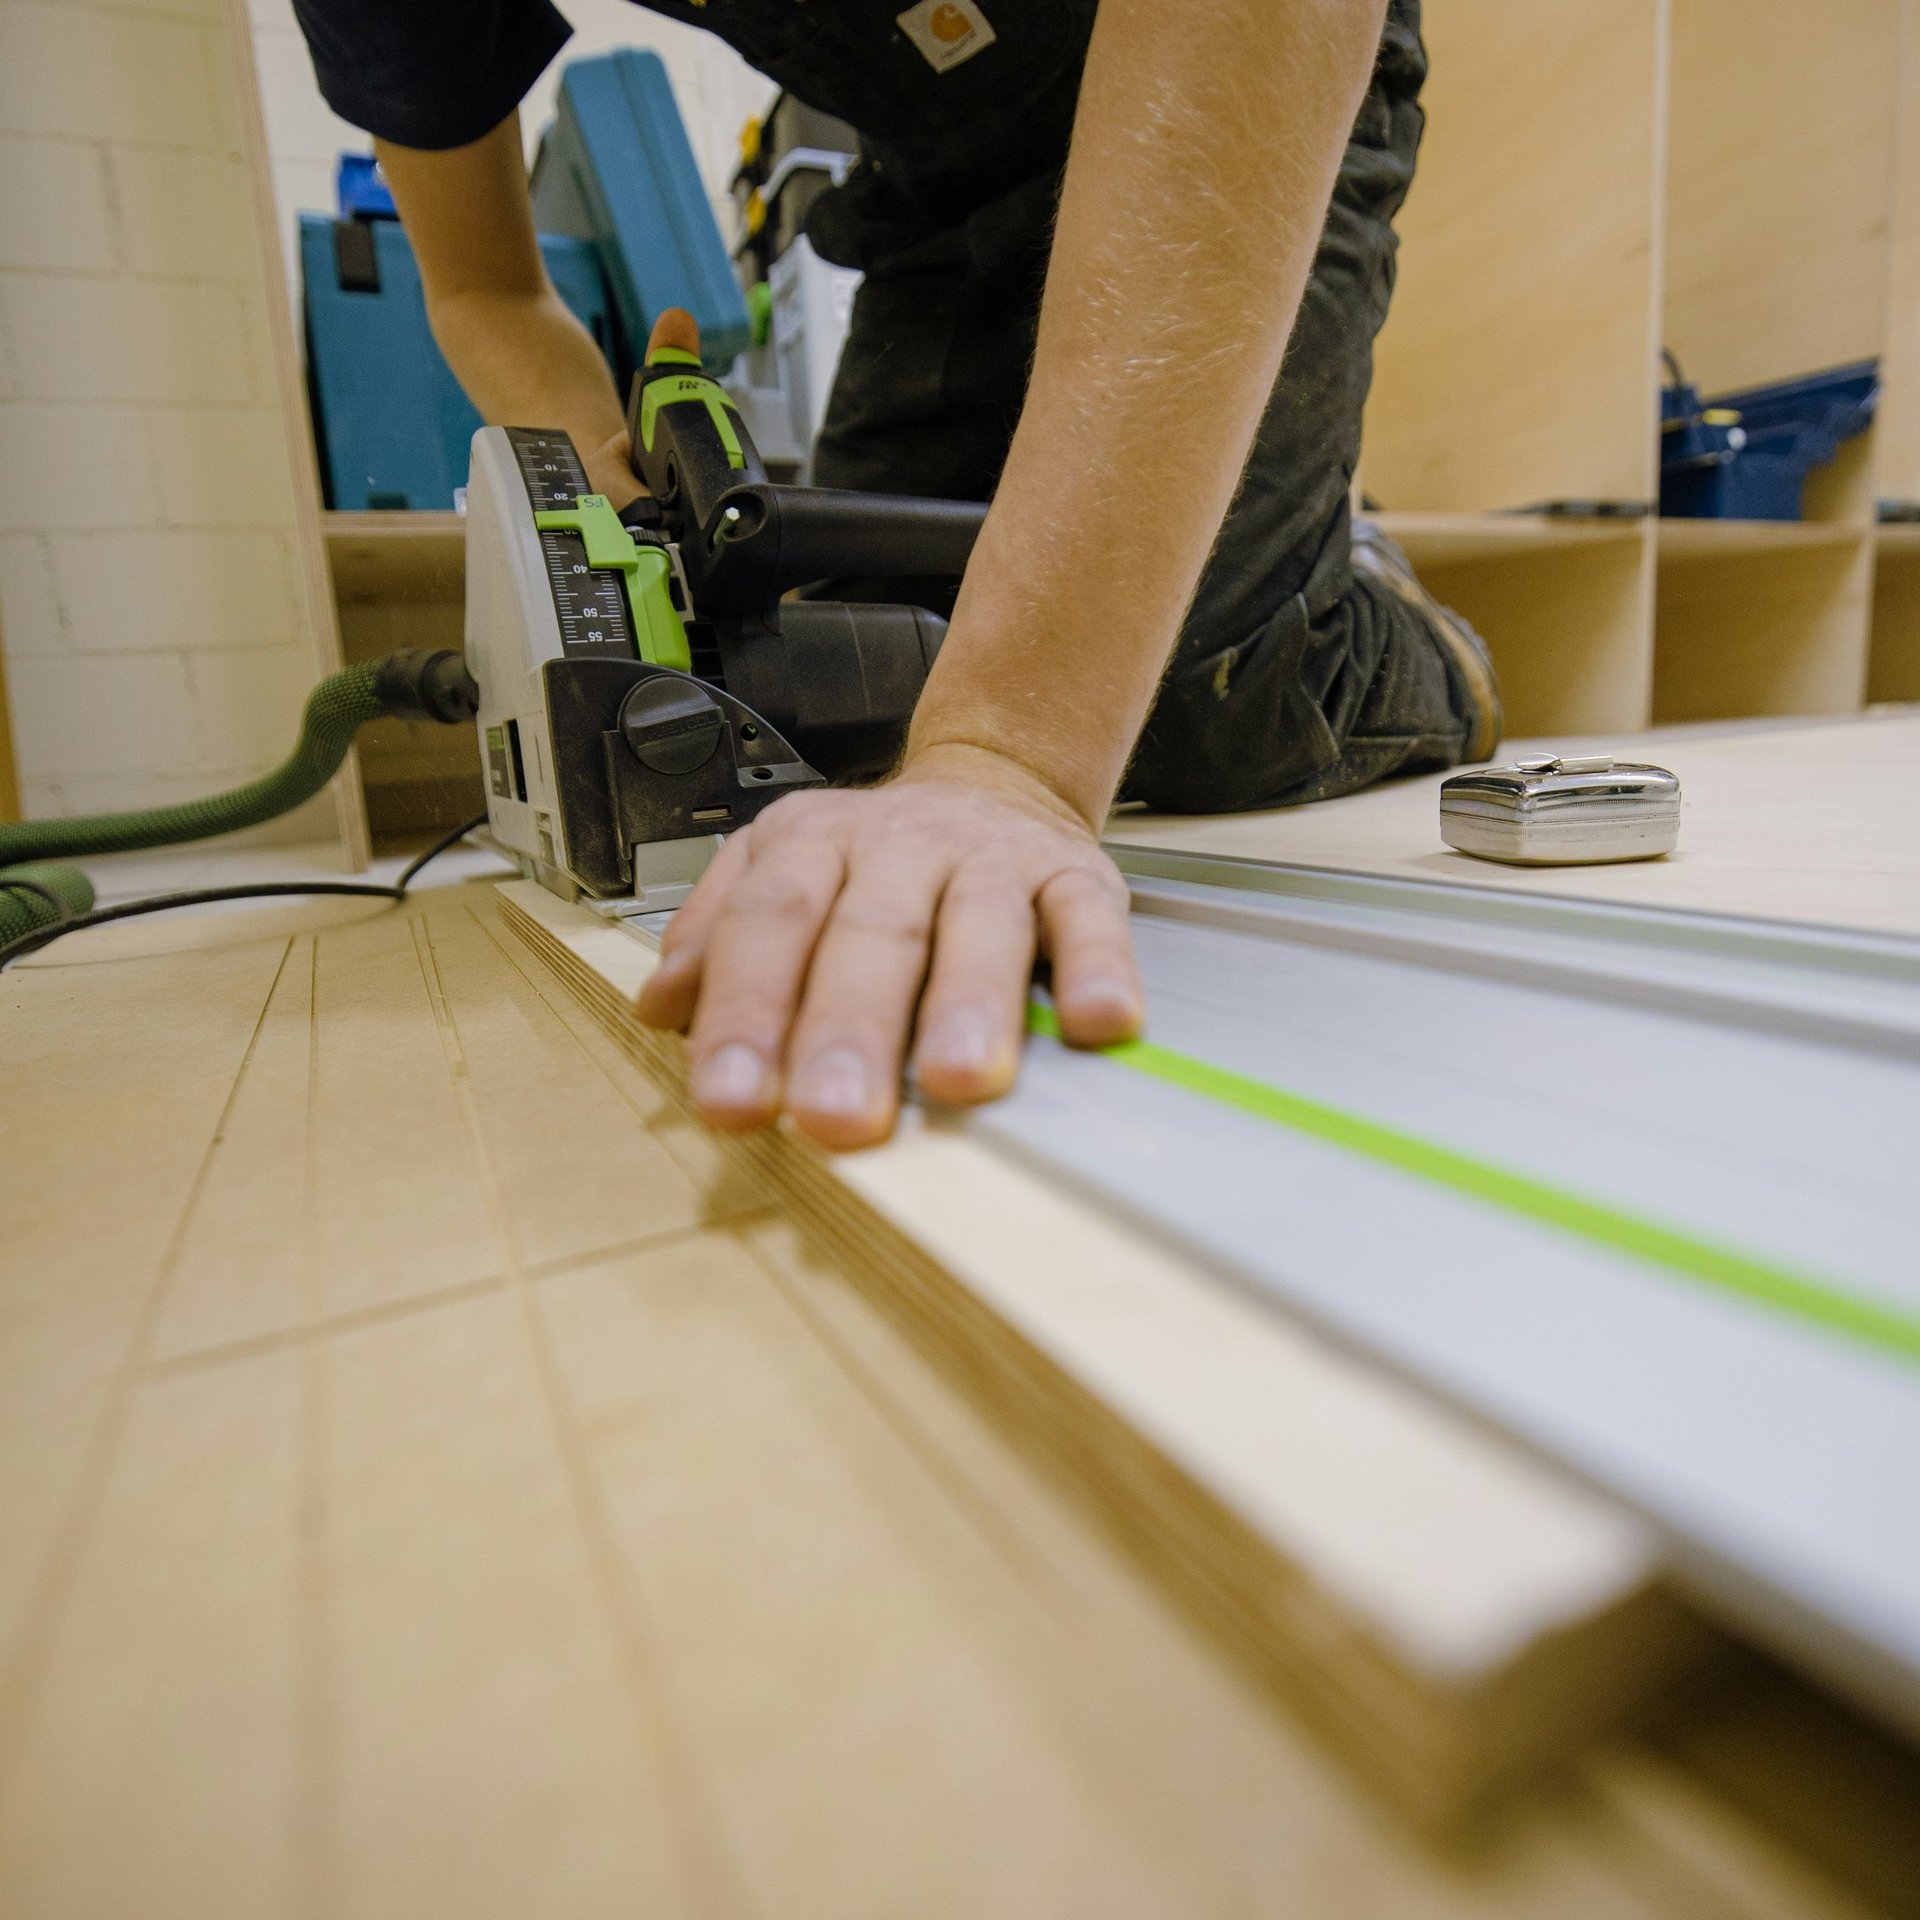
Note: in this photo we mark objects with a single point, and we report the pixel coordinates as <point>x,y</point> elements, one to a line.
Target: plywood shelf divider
<point>399,581</point>
<point>1516,362</point>
<point>1893,655</point>
<point>382,556</point>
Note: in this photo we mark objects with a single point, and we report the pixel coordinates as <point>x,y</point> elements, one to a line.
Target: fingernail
<point>735,1078</point>
<point>836,1083</point>
<point>960,1041</point>
<point>1106,995</point>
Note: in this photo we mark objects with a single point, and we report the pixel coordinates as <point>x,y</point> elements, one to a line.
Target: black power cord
<point>39,937</point>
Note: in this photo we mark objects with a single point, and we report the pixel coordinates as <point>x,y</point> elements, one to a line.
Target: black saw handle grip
<point>766,539</point>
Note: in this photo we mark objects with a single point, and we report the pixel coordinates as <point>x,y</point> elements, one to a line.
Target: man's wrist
<point>525,360</point>
<point>979,763</point>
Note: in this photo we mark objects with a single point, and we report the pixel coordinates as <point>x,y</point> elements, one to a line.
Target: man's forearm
<point>519,354</point>
<point>1203,159</point>
<point>524,360</point>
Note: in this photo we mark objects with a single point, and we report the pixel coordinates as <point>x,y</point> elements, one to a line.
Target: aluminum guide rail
<point>1639,1187</point>
<point>1748,1089</point>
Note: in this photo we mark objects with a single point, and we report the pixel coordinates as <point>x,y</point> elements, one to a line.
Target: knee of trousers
<point>1304,707</point>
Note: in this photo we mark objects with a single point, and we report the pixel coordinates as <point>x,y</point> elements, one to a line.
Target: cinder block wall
<point>156,643</point>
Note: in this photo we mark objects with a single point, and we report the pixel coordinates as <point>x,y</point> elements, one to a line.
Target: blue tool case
<point>392,425</point>
<point>1746,455</point>
<point>616,168</point>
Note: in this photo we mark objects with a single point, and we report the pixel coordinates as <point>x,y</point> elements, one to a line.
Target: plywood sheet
<point>1815,823</point>
<point>660,1573</point>
<point>1447,1609</point>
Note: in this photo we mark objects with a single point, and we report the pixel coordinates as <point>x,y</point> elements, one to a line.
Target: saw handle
<point>766,539</point>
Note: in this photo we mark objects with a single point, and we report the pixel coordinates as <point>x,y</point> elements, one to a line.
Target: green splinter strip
<point>1817,1301</point>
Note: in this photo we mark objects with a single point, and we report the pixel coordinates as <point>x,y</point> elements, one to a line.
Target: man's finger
<point>754,965</point>
<point>974,1011</point>
<point>1096,984</point>
<point>843,1078</point>
<point>669,993</point>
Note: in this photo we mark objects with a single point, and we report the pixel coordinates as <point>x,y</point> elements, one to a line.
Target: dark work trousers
<point>1294,678</point>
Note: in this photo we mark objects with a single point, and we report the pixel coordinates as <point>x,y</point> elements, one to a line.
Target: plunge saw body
<point>649,681</point>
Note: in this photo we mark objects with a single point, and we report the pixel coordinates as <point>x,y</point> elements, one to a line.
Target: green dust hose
<point>23,903</point>
<point>336,710</point>
<point>414,684</point>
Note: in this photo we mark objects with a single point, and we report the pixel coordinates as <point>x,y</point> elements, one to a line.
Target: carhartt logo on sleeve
<point>947,31</point>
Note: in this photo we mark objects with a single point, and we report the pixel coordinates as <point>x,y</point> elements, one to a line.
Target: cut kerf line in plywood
<point>240,1276</point>
<point>1191,1483</point>
<point>380,1076</point>
<point>70,1399</point>
<point>572,1178</point>
<point>700,1856</point>
<point>465,1594</point>
<point>688,1369</point>
<point>161,1772</point>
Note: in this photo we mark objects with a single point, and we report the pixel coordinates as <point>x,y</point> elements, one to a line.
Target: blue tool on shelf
<point>616,168</point>
<point>360,189</point>
<point>392,425</point>
<point>1747,455</point>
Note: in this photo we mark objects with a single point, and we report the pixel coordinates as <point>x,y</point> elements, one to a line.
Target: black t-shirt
<point>958,101</point>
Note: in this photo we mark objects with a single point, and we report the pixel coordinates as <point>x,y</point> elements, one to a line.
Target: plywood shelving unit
<point>399,581</point>
<point>1738,180</point>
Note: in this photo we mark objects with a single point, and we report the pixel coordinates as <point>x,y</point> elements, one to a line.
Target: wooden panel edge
<point>311,568</point>
<point>9,765</point>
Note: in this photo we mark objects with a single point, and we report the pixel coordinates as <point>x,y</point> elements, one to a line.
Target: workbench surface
<point>435,1481</point>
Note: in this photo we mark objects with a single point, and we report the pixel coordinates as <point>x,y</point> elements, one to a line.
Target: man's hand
<point>838,925</point>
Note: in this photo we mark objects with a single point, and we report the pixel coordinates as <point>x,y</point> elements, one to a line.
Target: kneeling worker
<point>1088,235</point>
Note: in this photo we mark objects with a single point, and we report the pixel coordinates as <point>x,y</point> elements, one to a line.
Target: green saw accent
<point>644,570</point>
<point>1807,1297</point>
<point>759,314</point>
<point>672,357</point>
<point>677,387</point>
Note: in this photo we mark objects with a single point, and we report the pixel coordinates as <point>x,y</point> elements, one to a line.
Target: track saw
<point>652,679</point>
